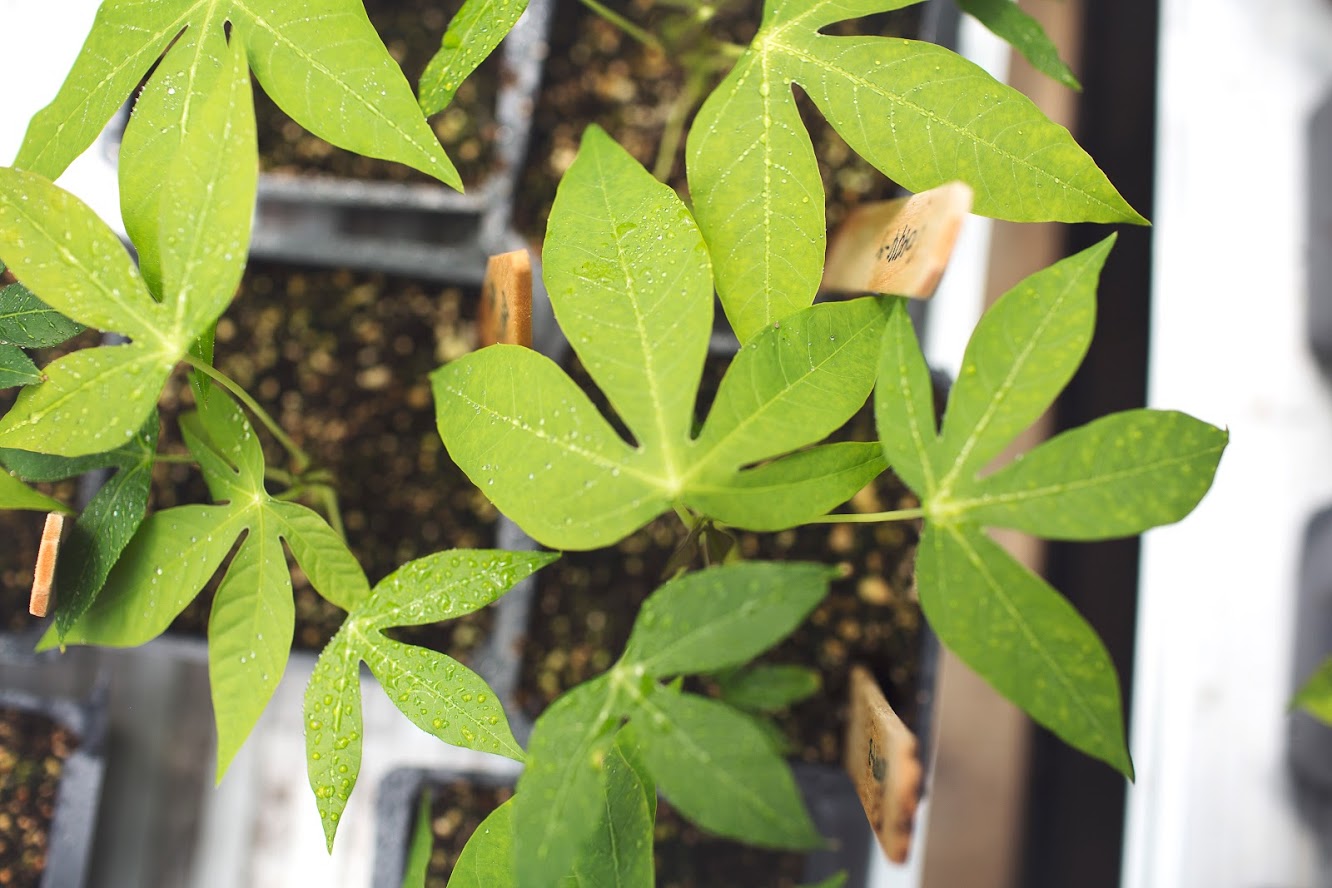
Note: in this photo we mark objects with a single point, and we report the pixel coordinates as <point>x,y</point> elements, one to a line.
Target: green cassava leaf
<point>474,32</point>
<point>420,846</point>
<point>29,322</point>
<point>97,398</point>
<point>757,196</point>
<point>559,801</point>
<point>1021,355</point>
<point>792,490</point>
<point>176,551</point>
<point>436,692</point>
<point>16,368</point>
<point>904,403</point>
<point>618,854</point>
<point>1315,696</point>
<point>529,438</point>
<point>766,688</point>
<point>633,293</point>
<point>919,113</point>
<point>14,494</point>
<point>197,230</point>
<point>487,860</point>
<point>105,526</point>
<point>631,288</point>
<point>321,61</point>
<point>1025,639</point>
<point>441,696</point>
<point>1006,20</point>
<point>711,619</point>
<point>334,729</point>
<point>717,768</point>
<point>1116,476</point>
<point>785,372</point>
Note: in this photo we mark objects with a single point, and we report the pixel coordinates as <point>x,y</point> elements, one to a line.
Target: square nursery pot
<point>51,768</point>
<point>686,857</point>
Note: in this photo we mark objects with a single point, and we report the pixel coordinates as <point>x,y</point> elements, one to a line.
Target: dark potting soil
<point>33,748</point>
<point>586,602</point>
<point>456,810</point>
<point>412,31</point>
<point>341,360</point>
<point>596,73</point>
<point>686,857</point>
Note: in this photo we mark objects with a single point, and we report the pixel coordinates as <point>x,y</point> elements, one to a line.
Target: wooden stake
<point>506,301</point>
<point>898,246</point>
<point>881,758</point>
<point>44,575</point>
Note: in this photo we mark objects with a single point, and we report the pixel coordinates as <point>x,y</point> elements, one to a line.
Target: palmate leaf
<point>440,695</point>
<point>1117,476</point>
<point>690,746</point>
<point>176,551</point>
<point>320,60</point>
<point>627,274</point>
<point>106,525</point>
<point>919,113</point>
<point>95,399</point>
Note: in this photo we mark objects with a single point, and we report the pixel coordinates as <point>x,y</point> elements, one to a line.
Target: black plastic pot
<point>828,793</point>
<point>73,824</point>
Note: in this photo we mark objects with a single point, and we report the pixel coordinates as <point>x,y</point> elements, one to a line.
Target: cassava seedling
<point>631,271</point>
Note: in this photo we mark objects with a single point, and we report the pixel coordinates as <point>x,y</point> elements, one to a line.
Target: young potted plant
<point>631,272</point>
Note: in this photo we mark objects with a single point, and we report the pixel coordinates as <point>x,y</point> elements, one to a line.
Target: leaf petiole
<point>300,459</point>
<point>624,24</point>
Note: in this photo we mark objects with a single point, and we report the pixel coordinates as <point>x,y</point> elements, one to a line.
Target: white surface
<point>1212,806</point>
<point>38,55</point>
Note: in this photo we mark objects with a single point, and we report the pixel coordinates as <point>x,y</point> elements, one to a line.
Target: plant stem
<point>687,517</point>
<point>870,517</point>
<point>328,498</point>
<point>299,458</point>
<point>624,24</point>
<point>673,130</point>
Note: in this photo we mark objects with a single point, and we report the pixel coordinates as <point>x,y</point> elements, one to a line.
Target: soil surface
<point>686,857</point>
<point>33,749</point>
<point>412,31</point>
<point>341,359</point>
<point>596,73</point>
<point>456,810</point>
<point>586,602</point>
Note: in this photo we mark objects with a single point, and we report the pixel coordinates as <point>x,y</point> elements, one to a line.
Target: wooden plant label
<point>881,758</point>
<point>506,301</point>
<point>44,575</point>
<point>898,246</point>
